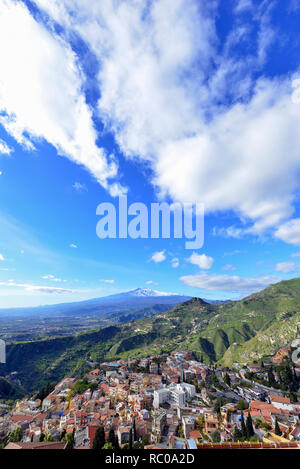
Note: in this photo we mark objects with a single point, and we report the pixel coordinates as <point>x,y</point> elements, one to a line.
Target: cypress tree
<point>130,439</point>
<point>227,379</point>
<point>249,426</point>
<point>111,436</point>
<point>134,431</point>
<point>99,440</point>
<point>117,446</point>
<point>277,429</point>
<point>243,426</point>
<point>237,434</point>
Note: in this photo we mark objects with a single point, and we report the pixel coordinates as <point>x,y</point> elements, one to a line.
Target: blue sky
<point>171,101</point>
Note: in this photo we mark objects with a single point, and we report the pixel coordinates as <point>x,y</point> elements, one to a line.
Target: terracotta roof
<point>280,399</point>
<point>195,434</point>
<point>37,445</point>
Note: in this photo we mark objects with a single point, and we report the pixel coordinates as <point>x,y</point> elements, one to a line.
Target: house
<point>281,402</point>
<point>188,424</point>
<point>123,435</point>
<point>153,367</point>
<point>158,422</point>
<point>211,422</point>
<point>85,437</point>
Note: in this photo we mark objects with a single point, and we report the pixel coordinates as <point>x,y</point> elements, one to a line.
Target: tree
<point>277,428</point>
<point>227,379</point>
<point>42,437</point>
<point>216,436</point>
<point>145,440</point>
<point>242,405</point>
<point>117,446</point>
<point>99,440</point>
<point>237,434</point>
<point>218,404</point>
<point>137,445</point>
<point>108,445</point>
<point>134,431</point>
<point>271,378</point>
<point>16,435</point>
<point>130,439</point>
<point>249,426</point>
<point>70,439</point>
<point>111,437</point>
<point>243,426</point>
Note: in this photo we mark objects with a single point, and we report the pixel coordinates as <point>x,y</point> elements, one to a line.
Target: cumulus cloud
<point>201,260</point>
<point>286,267</point>
<point>73,246</point>
<point>41,92</point>
<point>212,130</point>
<point>289,231</point>
<point>158,256</point>
<point>1,257</point>
<point>230,283</point>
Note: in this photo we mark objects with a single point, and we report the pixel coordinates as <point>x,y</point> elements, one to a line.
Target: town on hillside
<point>162,402</point>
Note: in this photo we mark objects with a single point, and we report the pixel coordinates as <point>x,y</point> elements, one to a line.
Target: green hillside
<point>239,331</point>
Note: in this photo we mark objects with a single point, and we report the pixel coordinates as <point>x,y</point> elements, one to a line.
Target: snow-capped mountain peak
<point>149,292</point>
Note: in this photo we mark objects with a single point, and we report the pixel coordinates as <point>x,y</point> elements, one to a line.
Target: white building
<point>176,394</point>
<point>283,403</point>
<point>161,396</point>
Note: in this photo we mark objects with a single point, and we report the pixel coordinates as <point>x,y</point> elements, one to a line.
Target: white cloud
<point>149,282</point>
<point>52,278</point>
<point>37,288</point>
<point>79,187</point>
<point>4,148</point>
<point>254,176</point>
<point>228,283</point>
<point>108,281</point>
<point>289,232</point>
<point>158,256</point>
<point>228,232</point>
<point>286,267</point>
<point>201,260</point>
<point>161,74</point>
<point>41,92</point>
<point>175,262</point>
<point>73,246</point>
<point>1,257</point>
<point>243,5</point>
